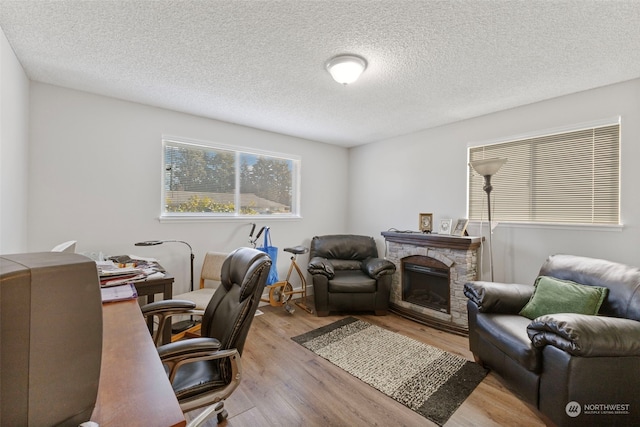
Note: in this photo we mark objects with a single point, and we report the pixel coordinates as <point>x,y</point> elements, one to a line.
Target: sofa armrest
<point>320,265</point>
<point>586,335</point>
<point>493,297</point>
<point>376,267</point>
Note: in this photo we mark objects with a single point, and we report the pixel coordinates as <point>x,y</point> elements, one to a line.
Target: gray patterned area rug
<point>430,381</point>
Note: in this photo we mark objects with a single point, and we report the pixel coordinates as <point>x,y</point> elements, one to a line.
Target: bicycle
<point>280,293</point>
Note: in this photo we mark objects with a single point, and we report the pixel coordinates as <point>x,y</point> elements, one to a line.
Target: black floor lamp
<point>487,168</point>
<point>185,324</point>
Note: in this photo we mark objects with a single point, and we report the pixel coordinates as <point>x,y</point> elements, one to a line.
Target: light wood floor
<point>285,384</point>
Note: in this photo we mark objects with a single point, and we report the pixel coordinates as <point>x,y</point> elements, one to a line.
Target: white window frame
<point>542,134</point>
<point>165,216</point>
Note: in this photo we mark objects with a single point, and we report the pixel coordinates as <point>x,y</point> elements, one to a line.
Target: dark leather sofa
<point>348,275</point>
<point>576,369</point>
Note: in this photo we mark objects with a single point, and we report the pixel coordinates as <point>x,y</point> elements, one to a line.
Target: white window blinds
<point>568,177</point>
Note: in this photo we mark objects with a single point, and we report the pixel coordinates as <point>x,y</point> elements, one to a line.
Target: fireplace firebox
<point>425,282</point>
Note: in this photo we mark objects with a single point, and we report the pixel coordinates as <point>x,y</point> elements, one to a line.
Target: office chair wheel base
<point>222,415</point>
<point>280,294</point>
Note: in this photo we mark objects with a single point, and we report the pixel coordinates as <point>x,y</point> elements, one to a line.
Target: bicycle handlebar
<point>260,232</point>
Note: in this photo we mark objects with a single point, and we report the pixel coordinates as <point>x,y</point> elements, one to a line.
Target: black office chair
<point>205,371</point>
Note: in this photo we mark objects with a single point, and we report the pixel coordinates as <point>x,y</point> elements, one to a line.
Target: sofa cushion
<point>346,264</point>
<point>352,281</point>
<point>508,333</point>
<point>553,295</point>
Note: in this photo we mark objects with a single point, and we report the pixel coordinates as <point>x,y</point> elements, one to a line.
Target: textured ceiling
<point>261,63</point>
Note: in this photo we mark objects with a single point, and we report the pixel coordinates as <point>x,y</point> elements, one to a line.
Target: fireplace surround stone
<point>460,254</point>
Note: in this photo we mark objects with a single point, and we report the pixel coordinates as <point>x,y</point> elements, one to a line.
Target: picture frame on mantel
<point>461,227</point>
<point>445,226</point>
<point>425,223</point>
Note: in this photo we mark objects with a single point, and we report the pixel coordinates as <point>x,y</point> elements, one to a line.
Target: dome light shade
<point>346,69</point>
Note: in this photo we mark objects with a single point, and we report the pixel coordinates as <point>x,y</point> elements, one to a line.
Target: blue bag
<point>272,251</point>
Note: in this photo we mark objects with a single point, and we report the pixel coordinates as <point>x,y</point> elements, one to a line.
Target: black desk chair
<point>205,371</point>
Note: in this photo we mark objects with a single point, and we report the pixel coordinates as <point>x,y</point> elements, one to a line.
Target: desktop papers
<point>110,268</point>
<point>119,293</point>
<point>115,272</point>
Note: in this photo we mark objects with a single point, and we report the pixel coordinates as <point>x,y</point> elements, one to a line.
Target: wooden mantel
<point>433,240</point>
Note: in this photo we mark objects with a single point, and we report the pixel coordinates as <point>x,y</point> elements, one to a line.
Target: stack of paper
<point>113,275</point>
<point>119,293</point>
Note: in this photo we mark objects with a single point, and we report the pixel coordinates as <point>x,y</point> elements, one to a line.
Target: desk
<point>150,288</point>
<point>134,389</point>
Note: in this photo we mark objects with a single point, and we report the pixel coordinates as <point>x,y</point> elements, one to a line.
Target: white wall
<point>95,168</point>
<point>94,176</point>
<point>392,181</point>
<point>14,179</point>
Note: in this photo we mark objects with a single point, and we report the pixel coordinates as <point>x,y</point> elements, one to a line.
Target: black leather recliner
<point>577,369</point>
<point>348,275</point>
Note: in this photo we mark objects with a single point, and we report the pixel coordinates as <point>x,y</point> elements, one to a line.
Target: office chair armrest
<point>166,309</point>
<point>179,349</point>
<point>169,305</point>
<point>179,353</point>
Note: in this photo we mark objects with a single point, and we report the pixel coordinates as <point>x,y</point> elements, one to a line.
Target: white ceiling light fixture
<point>346,69</point>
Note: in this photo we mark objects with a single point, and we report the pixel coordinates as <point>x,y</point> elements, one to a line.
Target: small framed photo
<point>445,226</point>
<point>461,227</point>
<point>426,222</point>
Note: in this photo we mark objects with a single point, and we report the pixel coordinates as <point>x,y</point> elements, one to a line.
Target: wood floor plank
<point>285,384</point>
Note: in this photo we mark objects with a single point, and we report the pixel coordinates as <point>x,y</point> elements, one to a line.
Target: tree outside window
<point>209,180</point>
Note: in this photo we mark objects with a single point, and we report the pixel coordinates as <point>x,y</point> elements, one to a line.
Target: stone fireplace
<point>431,271</point>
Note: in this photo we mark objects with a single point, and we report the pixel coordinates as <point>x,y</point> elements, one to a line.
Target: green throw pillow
<point>553,295</point>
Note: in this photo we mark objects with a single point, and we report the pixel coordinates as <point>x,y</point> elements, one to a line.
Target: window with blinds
<point>570,177</point>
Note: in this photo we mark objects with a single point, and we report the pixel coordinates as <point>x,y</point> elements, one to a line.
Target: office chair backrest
<point>233,305</point>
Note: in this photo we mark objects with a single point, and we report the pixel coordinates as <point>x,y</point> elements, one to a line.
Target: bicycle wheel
<point>280,293</point>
